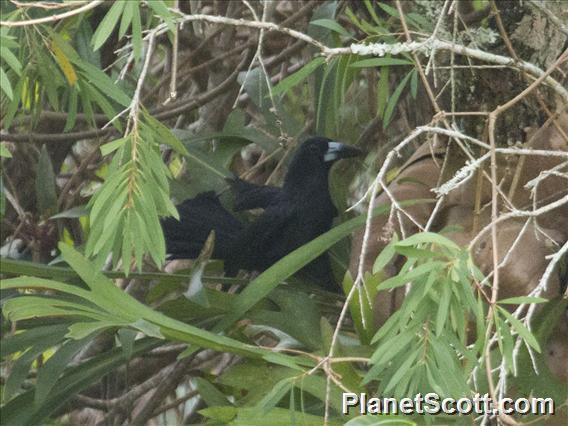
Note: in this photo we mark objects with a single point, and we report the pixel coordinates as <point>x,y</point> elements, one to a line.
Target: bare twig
<point>53,18</point>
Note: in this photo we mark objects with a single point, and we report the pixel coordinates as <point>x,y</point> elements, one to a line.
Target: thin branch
<point>53,18</point>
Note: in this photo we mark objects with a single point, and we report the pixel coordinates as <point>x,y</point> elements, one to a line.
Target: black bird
<point>293,215</point>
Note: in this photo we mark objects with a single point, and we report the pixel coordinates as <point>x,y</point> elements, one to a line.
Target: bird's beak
<point>337,150</point>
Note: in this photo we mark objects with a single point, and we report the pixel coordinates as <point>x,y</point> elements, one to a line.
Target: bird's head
<point>316,155</point>
<point>324,151</point>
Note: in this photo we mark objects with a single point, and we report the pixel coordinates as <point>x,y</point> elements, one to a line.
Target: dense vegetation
<point>113,111</point>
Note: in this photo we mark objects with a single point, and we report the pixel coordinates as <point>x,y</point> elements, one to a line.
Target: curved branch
<point>52,18</point>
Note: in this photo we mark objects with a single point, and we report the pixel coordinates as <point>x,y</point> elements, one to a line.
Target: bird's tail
<point>198,217</point>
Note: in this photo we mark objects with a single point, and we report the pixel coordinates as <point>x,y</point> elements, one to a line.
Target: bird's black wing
<point>262,243</point>
<point>281,229</point>
<point>198,217</point>
<point>250,196</point>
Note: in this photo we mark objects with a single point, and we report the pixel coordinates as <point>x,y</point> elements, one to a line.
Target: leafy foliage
<point>101,202</point>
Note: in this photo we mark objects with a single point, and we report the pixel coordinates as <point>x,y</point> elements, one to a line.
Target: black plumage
<point>293,215</point>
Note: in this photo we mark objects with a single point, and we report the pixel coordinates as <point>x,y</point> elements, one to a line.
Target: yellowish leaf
<point>64,63</point>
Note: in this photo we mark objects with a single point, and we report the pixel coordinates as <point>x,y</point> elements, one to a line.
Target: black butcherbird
<point>293,215</point>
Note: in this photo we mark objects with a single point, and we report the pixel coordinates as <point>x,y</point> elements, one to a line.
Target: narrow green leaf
<point>383,90</point>
<point>443,307</point>
<point>45,184</point>
<point>149,329</point>
<point>103,82</point>
<point>26,338</point>
<point>414,84</point>
<point>393,100</point>
<point>127,337</point>
<point>107,148</point>
<point>508,346</point>
<point>136,29</point>
<point>212,396</point>
<point>5,84</point>
<point>275,395</point>
<point>401,371</point>
<point>7,55</point>
<point>332,25</point>
<point>521,300</point>
<point>49,373</point>
<point>125,21</point>
<point>22,365</point>
<point>405,277</point>
<point>106,27</point>
<point>428,238</point>
<point>297,77</point>
<point>165,135</point>
<point>71,109</point>
<point>522,331</point>
<point>385,256</point>
<point>388,350</point>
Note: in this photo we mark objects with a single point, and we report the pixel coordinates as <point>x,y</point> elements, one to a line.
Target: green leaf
<point>107,148</point>
<point>106,27</point>
<point>45,184</point>
<point>389,9</point>
<point>414,84</point>
<point>125,308</point>
<point>5,84</point>
<point>275,395</point>
<point>393,100</point>
<point>136,29</point>
<point>127,337</point>
<point>7,55</point>
<point>297,77</point>
<point>405,277</point>
<point>160,8</point>
<point>415,253</point>
<point>212,396</point>
<point>401,371</point>
<point>165,135</point>
<point>21,411</point>
<point>71,110</point>
<point>443,306</point>
<point>508,344</point>
<point>521,300</point>
<point>361,310</point>
<point>54,367</point>
<point>149,329</point>
<point>73,212</point>
<point>103,82</point>
<point>126,21</point>
<point>385,256</point>
<point>380,62</point>
<point>22,365</point>
<point>4,151</point>
<point>25,339</point>
<point>383,90</point>
<point>105,107</point>
<point>428,238</point>
<point>306,326</point>
<point>200,158</point>
<point>332,25</point>
<point>521,330</point>
<point>387,350</point>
